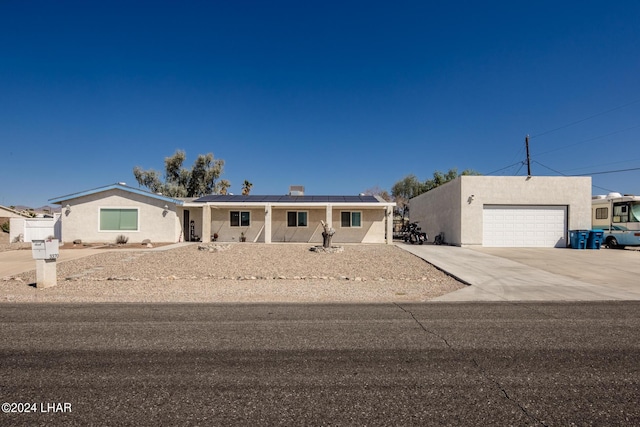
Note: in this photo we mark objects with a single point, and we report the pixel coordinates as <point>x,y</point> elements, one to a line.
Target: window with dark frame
<point>350,219</point>
<point>239,218</point>
<point>297,219</point>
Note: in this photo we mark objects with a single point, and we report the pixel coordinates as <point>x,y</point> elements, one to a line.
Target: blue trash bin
<point>594,241</point>
<point>579,238</point>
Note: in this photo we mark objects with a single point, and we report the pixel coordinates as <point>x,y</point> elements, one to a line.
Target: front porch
<point>290,222</point>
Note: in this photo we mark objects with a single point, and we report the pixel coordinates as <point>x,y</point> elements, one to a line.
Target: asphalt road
<point>553,364</point>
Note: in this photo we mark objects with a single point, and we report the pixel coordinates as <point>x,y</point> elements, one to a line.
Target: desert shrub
<point>122,239</point>
<point>5,226</point>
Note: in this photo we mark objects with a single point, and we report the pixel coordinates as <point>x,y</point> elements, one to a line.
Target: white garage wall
<point>450,207</point>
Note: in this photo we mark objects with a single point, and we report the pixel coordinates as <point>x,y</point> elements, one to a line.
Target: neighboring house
<point>40,227</point>
<point>102,214</point>
<point>505,211</point>
<point>25,227</point>
<point>6,213</point>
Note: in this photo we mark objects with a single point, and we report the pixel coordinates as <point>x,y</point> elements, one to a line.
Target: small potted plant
<point>243,238</point>
<point>215,237</point>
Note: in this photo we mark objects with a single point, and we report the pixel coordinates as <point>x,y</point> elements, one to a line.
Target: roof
<point>219,198</point>
<point>14,211</point>
<point>116,186</point>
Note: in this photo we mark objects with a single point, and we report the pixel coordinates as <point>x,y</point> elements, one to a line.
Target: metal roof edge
<point>116,186</point>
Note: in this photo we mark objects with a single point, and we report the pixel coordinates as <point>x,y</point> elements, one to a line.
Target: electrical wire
<point>504,168</point>
<point>558,172</point>
<point>585,119</point>
<point>606,172</point>
<point>587,140</point>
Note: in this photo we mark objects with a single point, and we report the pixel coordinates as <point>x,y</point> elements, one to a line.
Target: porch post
<point>206,223</point>
<point>267,223</point>
<point>389,215</point>
<point>329,215</point>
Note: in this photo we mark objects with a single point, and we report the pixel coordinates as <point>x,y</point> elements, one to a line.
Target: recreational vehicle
<point>619,217</point>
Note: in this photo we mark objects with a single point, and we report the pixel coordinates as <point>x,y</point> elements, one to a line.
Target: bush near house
<point>5,226</point>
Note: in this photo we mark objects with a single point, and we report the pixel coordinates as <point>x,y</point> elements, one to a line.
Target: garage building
<point>511,211</point>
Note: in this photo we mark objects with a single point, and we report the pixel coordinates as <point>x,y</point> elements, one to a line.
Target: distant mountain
<point>40,210</point>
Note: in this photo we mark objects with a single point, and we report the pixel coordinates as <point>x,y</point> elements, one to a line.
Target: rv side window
<point>635,212</point>
<point>602,213</point>
<point>620,213</point>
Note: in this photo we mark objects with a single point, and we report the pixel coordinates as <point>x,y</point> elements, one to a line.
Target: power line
<point>603,164</point>
<point>587,140</point>
<point>606,172</point>
<point>592,184</point>
<point>585,119</point>
<point>504,168</point>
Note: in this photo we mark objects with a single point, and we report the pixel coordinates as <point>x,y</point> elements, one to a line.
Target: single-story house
<point>7,213</point>
<point>103,214</point>
<point>505,211</point>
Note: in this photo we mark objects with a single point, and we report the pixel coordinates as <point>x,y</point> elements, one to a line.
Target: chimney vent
<point>296,190</point>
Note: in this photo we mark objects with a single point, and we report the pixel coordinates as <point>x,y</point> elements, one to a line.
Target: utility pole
<point>526,140</point>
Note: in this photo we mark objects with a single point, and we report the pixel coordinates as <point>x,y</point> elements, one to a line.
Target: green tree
<point>222,186</point>
<point>403,190</point>
<point>198,181</point>
<point>440,178</point>
<point>246,187</point>
<point>410,186</point>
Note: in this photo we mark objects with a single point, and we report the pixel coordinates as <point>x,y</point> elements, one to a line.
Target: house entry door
<point>185,225</point>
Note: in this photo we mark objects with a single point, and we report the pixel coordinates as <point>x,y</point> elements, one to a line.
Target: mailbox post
<point>45,252</point>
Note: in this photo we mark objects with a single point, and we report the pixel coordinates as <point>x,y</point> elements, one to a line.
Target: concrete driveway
<point>619,269</point>
<point>532,274</point>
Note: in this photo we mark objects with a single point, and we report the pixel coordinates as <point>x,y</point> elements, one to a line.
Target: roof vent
<point>296,190</point>
<point>122,183</point>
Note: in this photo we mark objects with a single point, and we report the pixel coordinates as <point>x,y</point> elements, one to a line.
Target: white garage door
<point>525,226</point>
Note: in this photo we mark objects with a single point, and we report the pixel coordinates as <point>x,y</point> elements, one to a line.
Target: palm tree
<point>246,187</point>
<point>223,185</point>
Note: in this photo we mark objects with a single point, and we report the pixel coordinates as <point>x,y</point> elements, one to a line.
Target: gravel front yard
<point>240,272</point>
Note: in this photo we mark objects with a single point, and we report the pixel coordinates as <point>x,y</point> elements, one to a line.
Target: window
<point>351,219</point>
<point>297,219</point>
<point>620,213</point>
<point>118,219</point>
<point>602,213</point>
<point>240,219</point>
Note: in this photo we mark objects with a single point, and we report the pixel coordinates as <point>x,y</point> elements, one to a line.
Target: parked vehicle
<point>619,217</point>
<point>412,233</point>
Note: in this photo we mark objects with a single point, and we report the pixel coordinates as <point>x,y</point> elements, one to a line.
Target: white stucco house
<point>102,214</point>
<point>506,211</point>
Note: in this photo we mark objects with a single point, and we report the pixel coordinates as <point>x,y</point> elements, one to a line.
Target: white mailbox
<point>45,249</point>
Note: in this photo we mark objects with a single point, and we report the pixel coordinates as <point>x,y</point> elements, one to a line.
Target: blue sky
<point>336,96</point>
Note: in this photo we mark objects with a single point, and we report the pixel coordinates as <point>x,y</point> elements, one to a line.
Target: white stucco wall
<point>221,224</point>
<point>372,229</point>
<point>438,210</point>
<point>449,208</point>
<point>82,221</point>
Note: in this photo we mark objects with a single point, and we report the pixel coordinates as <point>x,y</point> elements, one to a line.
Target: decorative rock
<point>77,242</point>
<point>213,247</point>
<point>146,241</point>
<point>323,250</point>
